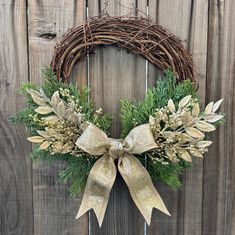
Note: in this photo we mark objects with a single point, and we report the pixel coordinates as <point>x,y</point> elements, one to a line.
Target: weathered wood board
<point>31,200</point>
<point>54,210</point>
<point>16,210</point>
<point>219,166</point>
<point>185,203</point>
<point>114,74</point>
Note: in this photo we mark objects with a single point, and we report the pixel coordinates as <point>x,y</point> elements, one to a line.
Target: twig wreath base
<point>138,35</point>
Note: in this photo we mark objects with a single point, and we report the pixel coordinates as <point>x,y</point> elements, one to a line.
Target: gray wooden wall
<point>31,200</point>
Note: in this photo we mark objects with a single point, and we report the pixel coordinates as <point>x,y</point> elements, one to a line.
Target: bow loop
<point>139,140</point>
<point>93,141</point>
<point>103,173</point>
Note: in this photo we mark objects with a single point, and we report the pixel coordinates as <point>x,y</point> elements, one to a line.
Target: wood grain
<point>192,181</point>
<point>219,173</point>
<point>168,13</point>
<point>31,200</point>
<point>16,211</point>
<point>153,73</point>
<point>185,204</point>
<point>54,210</point>
<point>116,74</point>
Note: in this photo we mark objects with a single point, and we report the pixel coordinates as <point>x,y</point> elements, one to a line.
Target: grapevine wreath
<point>160,134</point>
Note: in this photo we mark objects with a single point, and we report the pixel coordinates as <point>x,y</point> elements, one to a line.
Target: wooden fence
<point>31,200</point>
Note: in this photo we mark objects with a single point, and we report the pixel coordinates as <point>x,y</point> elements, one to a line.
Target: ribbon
<point>103,173</point>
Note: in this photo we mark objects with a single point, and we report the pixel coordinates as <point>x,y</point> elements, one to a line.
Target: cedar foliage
<point>77,168</point>
<point>132,114</point>
<point>137,113</point>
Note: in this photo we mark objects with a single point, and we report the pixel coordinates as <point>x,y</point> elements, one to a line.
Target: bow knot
<point>116,149</point>
<point>103,173</point>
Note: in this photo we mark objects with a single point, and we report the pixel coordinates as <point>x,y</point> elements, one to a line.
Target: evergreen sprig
<point>137,113</point>
<point>132,114</point>
<point>168,174</point>
<point>77,168</point>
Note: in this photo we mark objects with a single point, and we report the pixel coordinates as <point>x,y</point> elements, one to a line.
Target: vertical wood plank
<point>173,15</point>
<point>219,176</point>
<point>193,178</point>
<point>54,210</point>
<point>153,73</point>
<point>16,212</point>
<point>115,74</point>
<point>188,20</point>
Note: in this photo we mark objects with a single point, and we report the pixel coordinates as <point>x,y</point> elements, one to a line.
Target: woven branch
<point>138,35</point>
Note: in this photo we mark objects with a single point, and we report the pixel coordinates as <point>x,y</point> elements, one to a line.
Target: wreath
<point>160,134</point>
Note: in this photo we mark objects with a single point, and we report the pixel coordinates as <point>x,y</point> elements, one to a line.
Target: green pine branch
<point>132,114</point>
<point>24,117</point>
<point>49,85</point>
<point>137,113</point>
<point>77,168</point>
<point>75,172</point>
<point>168,174</point>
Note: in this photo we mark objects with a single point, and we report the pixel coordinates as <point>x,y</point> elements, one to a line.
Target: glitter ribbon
<point>103,173</point>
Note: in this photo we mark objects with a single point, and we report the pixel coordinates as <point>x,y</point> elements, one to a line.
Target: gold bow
<point>103,173</point>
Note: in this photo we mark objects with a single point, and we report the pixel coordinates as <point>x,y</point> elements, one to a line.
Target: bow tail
<point>140,186</point>
<point>98,187</point>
